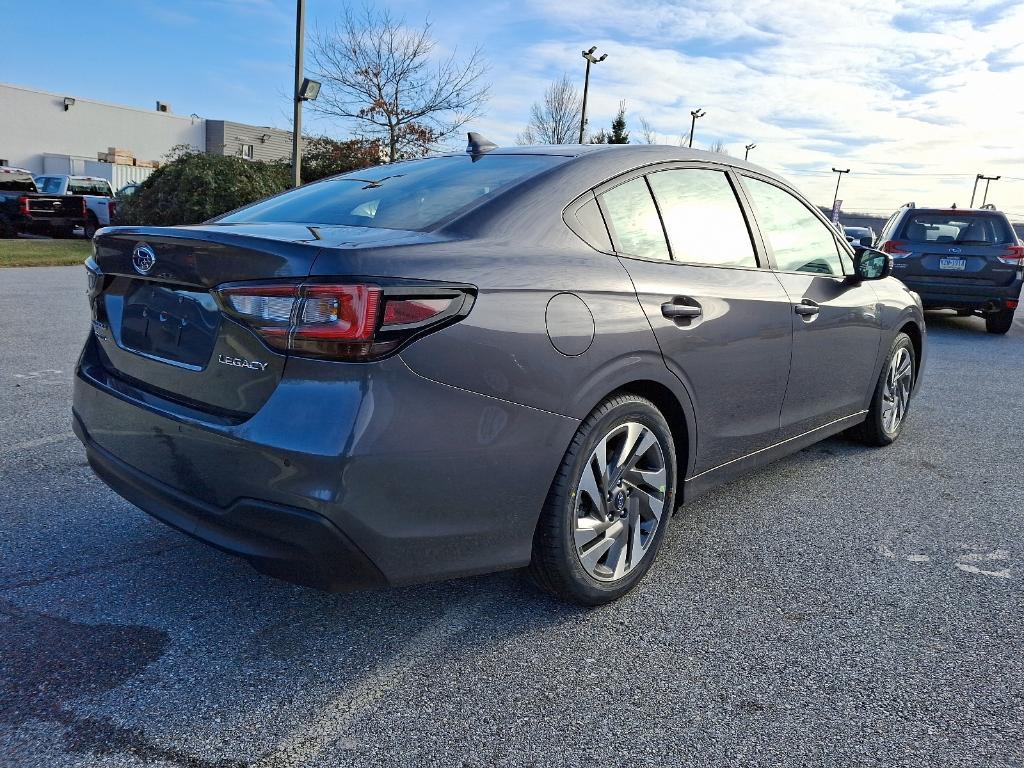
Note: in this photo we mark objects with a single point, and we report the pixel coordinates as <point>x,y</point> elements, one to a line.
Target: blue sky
<point>916,97</point>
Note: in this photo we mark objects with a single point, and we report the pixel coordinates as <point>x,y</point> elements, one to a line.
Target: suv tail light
<point>1014,254</point>
<point>23,206</point>
<point>344,321</point>
<point>895,249</point>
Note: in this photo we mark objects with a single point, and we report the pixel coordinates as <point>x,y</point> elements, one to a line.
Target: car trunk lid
<point>159,324</point>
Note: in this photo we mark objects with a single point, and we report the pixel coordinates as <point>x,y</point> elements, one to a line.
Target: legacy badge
<point>241,362</point>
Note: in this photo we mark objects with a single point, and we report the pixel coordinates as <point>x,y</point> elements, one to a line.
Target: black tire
<point>999,322</point>
<point>90,226</point>
<point>555,566</point>
<point>873,431</point>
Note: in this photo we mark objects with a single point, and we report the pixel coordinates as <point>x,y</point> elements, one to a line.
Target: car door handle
<point>674,309</point>
<point>806,308</point>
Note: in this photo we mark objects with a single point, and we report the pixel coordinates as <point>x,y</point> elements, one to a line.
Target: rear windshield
<point>16,182</point>
<point>89,187</point>
<point>415,194</point>
<point>960,228</point>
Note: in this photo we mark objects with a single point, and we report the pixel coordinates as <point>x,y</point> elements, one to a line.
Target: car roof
<point>641,153</point>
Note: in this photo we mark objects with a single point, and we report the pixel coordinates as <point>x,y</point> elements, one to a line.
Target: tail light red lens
<point>23,206</point>
<point>112,210</point>
<point>85,209</point>
<point>357,321</point>
<point>895,248</point>
<point>1014,254</point>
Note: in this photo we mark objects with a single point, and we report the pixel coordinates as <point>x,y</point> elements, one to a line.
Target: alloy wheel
<point>620,501</point>
<point>896,390</point>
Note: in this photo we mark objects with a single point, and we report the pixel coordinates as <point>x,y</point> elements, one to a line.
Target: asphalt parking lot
<point>844,606</point>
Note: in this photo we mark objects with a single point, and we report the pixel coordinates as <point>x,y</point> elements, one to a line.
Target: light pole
<point>591,59</point>
<point>694,114</point>
<point>988,180</point>
<point>300,34</point>
<point>748,148</point>
<point>839,178</point>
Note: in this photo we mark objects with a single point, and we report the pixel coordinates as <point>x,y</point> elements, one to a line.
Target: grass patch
<point>20,252</point>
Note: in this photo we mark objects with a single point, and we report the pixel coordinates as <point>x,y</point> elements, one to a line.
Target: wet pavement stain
<point>46,662</point>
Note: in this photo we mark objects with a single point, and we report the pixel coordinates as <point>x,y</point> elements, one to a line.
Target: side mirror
<point>867,241</point>
<point>869,264</point>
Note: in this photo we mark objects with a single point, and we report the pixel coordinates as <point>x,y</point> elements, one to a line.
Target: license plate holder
<point>953,263</point>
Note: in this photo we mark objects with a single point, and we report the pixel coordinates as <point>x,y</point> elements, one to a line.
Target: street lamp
<point>839,178</point>
<point>695,113</point>
<point>988,180</point>
<point>748,148</point>
<point>591,59</point>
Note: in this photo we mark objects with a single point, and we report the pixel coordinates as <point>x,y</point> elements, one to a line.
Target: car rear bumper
<point>292,544</point>
<point>950,295</point>
<point>349,475</point>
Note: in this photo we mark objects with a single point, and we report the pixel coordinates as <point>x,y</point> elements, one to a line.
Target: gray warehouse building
<point>63,133</point>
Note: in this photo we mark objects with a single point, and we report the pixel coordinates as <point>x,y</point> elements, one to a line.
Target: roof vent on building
<point>163,106</point>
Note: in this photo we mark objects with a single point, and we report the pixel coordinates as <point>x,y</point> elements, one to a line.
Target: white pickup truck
<point>99,198</point>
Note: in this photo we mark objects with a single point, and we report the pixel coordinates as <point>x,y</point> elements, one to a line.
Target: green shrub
<point>194,187</point>
<point>323,156</point>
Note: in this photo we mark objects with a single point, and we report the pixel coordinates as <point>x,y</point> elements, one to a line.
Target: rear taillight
<point>111,210</point>
<point>85,208</point>
<point>23,206</point>
<point>895,249</point>
<point>344,321</point>
<point>1014,254</point>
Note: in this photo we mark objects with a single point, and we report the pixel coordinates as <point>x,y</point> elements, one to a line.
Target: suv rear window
<point>959,228</point>
<point>415,194</point>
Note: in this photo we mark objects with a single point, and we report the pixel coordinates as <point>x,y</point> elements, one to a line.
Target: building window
<point>247,151</point>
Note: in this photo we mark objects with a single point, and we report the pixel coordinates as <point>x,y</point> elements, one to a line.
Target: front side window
<point>415,194</point>
<point>800,241</point>
<point>703,218</point>
<point>634,219</point>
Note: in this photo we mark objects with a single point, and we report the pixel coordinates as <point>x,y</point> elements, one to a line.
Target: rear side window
<point>959,228</point>
<point>703,218</point>
<point>49,185</point>
<point>800,241</point>
<point>416,194</point>
<point>633,218</point>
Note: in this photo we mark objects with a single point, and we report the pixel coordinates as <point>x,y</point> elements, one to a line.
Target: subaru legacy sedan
<point>507,358</point>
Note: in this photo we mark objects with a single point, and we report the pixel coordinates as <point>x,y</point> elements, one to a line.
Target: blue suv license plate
<point>958,265</point>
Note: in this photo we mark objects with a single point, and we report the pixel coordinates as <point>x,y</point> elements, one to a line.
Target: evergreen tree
<point>619,133</point>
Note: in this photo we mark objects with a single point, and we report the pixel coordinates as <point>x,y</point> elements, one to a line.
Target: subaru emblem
<point>143,258</point>
<point>956,250</point>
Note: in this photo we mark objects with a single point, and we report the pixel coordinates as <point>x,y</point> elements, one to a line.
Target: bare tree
<point>380,75</point>
<point>718,146</point>
<point>648,136</point>
<point>556,119</point>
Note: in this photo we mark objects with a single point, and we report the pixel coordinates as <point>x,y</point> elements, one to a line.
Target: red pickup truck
<point>23,209</point>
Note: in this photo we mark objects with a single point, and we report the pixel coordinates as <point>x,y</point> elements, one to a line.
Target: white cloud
<point>911,87</point>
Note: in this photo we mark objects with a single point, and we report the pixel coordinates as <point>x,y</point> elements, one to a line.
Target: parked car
<point>23,209</point>
<point>99,198</point>
<point>462,364</point>
<point>863,236</point>
<point>969,260</point>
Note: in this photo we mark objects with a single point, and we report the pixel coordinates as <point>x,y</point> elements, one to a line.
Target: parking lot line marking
<point>308,741</point>
<point>37,443</point>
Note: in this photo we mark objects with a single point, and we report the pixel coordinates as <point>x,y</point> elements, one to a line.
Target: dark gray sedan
<point>491,360</point>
